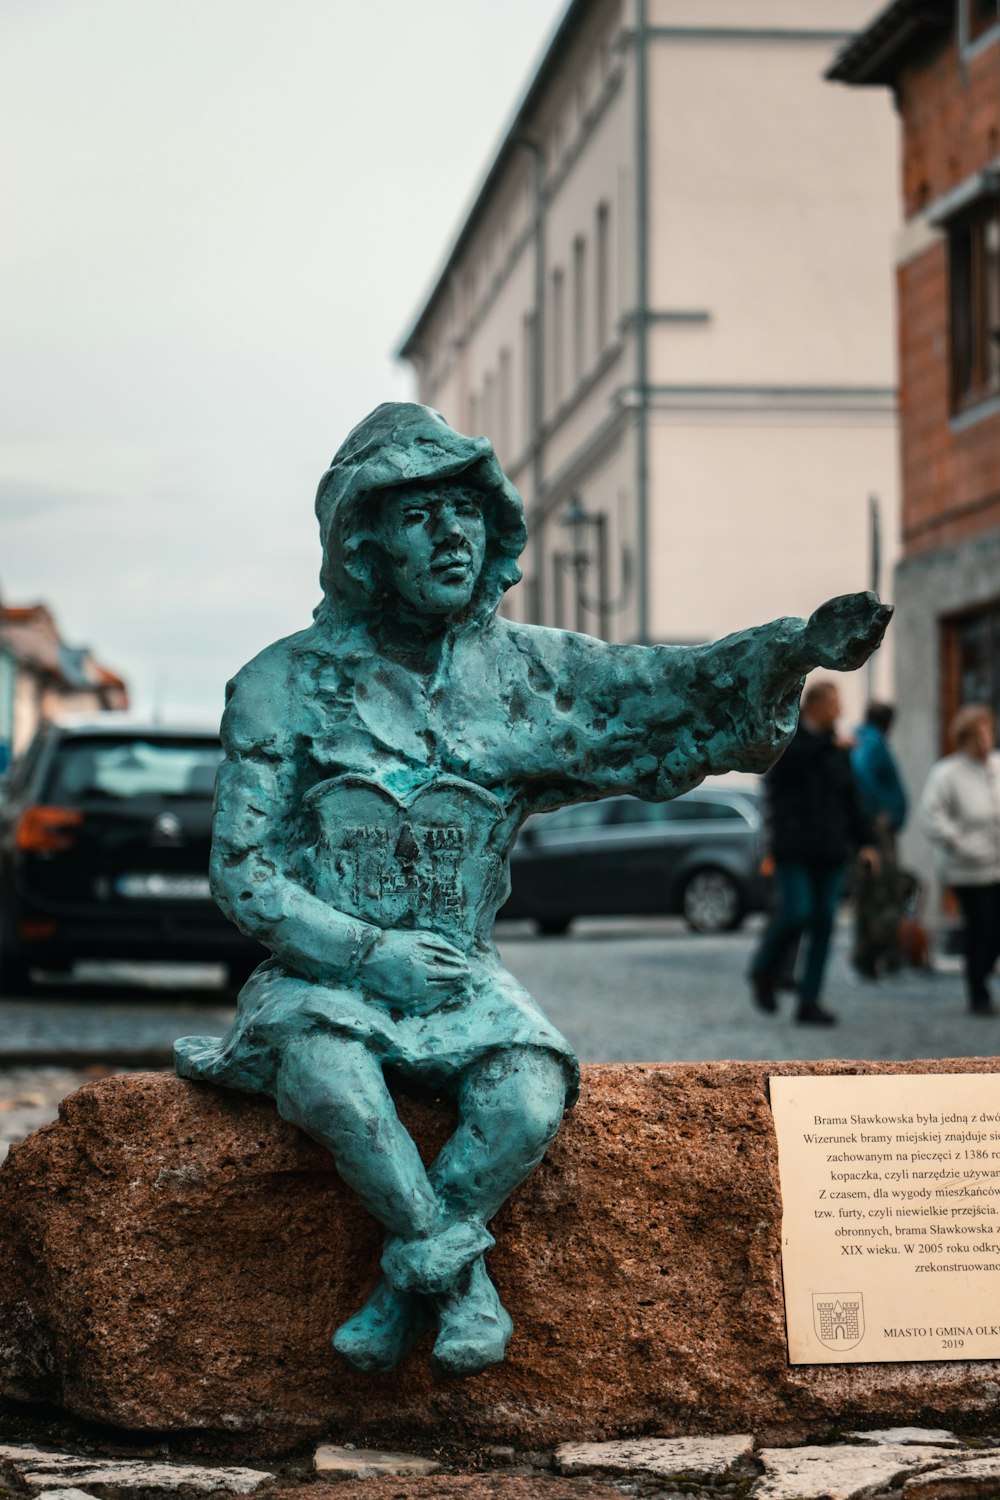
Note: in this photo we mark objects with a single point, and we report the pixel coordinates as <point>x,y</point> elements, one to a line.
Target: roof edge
<point>551,53</point>
<point>876,53</point>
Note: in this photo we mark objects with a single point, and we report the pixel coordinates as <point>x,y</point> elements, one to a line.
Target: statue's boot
<point>432,1263</point>
<point>475,1327</point>
<point>384,1331</point>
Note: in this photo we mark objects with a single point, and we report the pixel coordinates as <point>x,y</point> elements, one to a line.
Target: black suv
<point>105,833</point>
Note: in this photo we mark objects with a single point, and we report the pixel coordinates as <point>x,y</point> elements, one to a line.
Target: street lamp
<point>583,525</point>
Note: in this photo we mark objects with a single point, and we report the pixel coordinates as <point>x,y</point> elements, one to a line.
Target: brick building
<point>941,59</point>
<point>41,676</point>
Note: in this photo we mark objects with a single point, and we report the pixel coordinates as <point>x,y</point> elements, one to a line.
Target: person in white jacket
<point>960,814</point>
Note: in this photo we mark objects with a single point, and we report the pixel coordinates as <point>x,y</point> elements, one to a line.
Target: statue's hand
<point>418,971</point>
<point>843,633</point>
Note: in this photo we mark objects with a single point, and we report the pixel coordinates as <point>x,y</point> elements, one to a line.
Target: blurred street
<point>637,991</point>
<point>631,991</point>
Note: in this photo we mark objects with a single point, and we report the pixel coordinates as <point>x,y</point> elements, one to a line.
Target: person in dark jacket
<point>817,821</point>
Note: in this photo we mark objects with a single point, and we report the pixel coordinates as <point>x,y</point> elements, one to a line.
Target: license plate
<point>163,887</point>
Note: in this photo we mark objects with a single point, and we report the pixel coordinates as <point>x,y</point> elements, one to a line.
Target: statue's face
<point>434,538</point>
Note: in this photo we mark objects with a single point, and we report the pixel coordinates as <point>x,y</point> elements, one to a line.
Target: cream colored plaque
<point>890,1242</point>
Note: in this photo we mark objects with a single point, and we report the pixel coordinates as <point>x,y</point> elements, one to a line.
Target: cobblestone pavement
<point>116,1007</point>
<point>29,1097</point>
<point>900,1463</point>
<point>641,991</point>
<point>621,991</point>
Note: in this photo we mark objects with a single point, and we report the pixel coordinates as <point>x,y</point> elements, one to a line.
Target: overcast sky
<point>219,218</point>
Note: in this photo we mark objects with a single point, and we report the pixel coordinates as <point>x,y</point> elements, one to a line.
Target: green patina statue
<point>378,766</point>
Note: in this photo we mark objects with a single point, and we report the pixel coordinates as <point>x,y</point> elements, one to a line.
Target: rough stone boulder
<point>174,1258</point>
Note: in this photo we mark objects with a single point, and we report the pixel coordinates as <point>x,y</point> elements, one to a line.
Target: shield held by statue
<point>427,860</point>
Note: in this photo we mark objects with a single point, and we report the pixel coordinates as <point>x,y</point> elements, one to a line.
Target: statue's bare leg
<point>510,1107</point>
<point>334,1090</point>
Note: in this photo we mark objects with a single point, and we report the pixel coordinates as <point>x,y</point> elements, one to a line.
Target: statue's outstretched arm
<point>744,690</point>
<point>840,636</point>
<point>655,720</point>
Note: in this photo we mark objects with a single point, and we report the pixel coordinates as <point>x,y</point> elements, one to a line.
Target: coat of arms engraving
<point>839,1319</point>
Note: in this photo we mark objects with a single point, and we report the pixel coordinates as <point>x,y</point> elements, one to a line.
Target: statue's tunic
<point>361,793</point>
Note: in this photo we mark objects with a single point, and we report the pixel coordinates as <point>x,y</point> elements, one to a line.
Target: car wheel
<point>15,976</point>
<point>554,926</point>
<point>712,902</point>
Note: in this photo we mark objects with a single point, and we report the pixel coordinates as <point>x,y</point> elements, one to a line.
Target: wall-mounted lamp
<point>588,531</point>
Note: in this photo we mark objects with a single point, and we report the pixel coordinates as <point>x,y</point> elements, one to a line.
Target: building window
<point>971,663</point>
<point>579,307</point>
<point>503,404</point>
<point>528,376</point>
<point>974,259</point>
<point>489,408</point>
<point>981,16</point>
<point>602,272</point>
<point>558,336</point>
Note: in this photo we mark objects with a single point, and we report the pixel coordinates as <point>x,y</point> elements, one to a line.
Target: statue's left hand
<point>416,970</point>
<point>843,633</point>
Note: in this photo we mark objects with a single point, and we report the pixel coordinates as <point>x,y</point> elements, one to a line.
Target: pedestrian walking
<point>960,813</point>
<point>817,821</point>
<point>878,890</point>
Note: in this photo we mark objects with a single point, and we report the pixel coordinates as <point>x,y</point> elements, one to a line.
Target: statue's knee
<point>547,1096</point>
<point>330,1079</point>
<point>532,1098</point>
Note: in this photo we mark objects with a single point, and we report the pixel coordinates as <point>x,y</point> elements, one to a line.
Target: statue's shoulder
<point>260,698</point>
<point>555,657</point>
<point>541,644</point>
<point>275,662</point>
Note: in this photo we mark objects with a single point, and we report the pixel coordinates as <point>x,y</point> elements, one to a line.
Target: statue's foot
<point>432,1264</point>
<point>384,1331</point>
<point>475,1327</point>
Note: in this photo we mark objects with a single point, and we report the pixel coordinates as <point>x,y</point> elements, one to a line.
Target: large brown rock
<point>175,1257</point>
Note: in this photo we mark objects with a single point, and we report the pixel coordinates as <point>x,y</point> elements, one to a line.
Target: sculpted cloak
<point>370,784</point>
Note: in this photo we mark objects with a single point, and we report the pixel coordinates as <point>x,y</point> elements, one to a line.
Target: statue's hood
<point>402,443</point>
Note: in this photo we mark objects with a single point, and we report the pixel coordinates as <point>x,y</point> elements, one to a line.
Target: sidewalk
<point>30,1097</point>
<point>121,1014</point>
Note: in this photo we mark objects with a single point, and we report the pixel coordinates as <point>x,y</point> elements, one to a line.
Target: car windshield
<point>123,768</point>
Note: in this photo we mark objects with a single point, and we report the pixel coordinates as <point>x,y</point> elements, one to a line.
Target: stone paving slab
<point>694,1457</point>
<point>975,1479</point>
<point>841,1471</point>
<point>367,1463</point>
<point>936,1436</point>
<point>468,1487</point>
<point>69,1494</point>
<point>40,1470</point>
<point>693,1468</point>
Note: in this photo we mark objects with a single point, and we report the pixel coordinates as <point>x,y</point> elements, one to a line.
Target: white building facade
<point>671,309</point>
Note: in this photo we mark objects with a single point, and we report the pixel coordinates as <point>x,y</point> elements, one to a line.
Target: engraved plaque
<point>890,1241</point>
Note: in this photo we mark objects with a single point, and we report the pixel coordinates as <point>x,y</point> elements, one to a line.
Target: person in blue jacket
<point>878,890</point>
